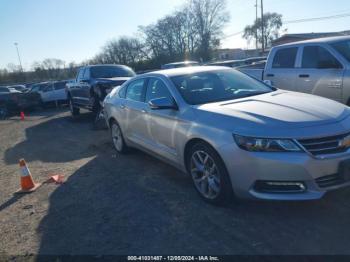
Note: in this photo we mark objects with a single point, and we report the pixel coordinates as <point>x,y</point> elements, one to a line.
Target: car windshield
<point>343,48</point>
<point>216,86</point>
<point>111,72</point>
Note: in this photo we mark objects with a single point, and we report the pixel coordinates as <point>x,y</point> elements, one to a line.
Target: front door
<point>320,73</point>
<point>162,123</point>
<point>136,111</point>
<point>281,70</point>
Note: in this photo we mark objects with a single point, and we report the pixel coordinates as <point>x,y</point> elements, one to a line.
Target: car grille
<point>327,145</point>
<point>329,181</point>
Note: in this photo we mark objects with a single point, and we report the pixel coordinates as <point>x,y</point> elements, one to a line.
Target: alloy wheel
<point>205,174</point>
<point>117,138</point>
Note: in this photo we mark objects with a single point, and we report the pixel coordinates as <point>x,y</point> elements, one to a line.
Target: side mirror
<point>162,103</point>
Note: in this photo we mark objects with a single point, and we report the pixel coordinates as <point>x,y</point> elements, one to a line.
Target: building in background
<point>290,38</point>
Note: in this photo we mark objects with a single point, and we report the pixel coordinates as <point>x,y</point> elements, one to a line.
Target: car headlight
<point>266,145</point>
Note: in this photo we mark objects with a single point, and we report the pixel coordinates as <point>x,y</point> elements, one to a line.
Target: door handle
<point>270,75</point>
<point>304,76</point>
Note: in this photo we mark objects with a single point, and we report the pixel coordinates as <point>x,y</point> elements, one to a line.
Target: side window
<point>319,57</point>
<point>157,89</point>
<point>86,74</point>
<point>59,85</point>
<point>48,87</point>
<point>285,58</point>
<point>122,92</point>
<point>135,90</point>
<point>35,88</point>
<point>81,74</point>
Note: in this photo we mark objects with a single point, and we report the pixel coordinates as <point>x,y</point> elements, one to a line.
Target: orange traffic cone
<point>27,183</point>
<point>22,115</point>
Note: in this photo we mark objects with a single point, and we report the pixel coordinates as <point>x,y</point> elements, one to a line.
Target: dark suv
<point>93,83</point>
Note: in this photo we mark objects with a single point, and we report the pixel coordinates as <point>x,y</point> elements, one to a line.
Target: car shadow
<point>42,144</point>
<point>135,204</point>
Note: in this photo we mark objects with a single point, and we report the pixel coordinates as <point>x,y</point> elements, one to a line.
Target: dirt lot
<point>134,204</point>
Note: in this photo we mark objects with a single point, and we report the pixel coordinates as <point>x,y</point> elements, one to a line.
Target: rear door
<point>47,93</point>
<point>60,93</point>
<point>281,68</point>
<point>320,73</point>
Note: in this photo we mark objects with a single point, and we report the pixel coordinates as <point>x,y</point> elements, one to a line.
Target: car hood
<point>279,113</point>
<point>112,80</point>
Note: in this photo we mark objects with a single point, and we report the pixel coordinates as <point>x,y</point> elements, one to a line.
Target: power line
<point>316,18</point>
<point>305,20</point>
<point>234,34</point>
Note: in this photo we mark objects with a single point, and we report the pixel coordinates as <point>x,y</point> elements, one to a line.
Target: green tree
<point>272,25</point>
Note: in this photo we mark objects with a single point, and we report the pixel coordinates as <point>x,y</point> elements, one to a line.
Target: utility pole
<point>262,26</point>
<point>19,57</point>
<point>256,20</point>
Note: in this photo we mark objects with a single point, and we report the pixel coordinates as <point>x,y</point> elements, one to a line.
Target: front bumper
<point>246,169</point>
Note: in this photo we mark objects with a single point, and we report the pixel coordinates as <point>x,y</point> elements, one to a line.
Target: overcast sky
<point>75,30</point>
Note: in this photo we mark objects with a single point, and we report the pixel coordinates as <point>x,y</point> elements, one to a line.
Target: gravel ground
<point>134,204</point>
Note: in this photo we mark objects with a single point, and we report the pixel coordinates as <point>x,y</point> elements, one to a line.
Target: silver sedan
<point>234,135</point>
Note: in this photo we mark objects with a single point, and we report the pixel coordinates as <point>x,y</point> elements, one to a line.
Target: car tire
<point>209,174</point>
<point>75,111</point>
<point>118,139</point>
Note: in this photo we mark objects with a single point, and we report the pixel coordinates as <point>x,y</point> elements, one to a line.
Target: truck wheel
<point>75,111</point>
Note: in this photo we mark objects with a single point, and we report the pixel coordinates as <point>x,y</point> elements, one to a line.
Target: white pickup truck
<point>320,67</point>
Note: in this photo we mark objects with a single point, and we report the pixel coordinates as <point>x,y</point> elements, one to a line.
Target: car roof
<point>112,65</point>
<point>333,39</point>
<point>186,70</point>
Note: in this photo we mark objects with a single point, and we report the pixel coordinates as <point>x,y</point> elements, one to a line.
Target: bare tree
<point>209,17</point>
<point>125,50</point>
<point>193,31</point>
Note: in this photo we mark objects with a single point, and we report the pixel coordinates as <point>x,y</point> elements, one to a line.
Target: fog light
<point>280,187</point>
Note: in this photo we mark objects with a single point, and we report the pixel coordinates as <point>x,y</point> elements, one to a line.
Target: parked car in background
<point>13,100</point>
<point>253,60</point>
<point>20,88</point>
<point>228,63</point>
<point>9,98</point>
<point>180,64</point>
<point>319,66</point>
<point>51,92</point>
<point>93,83</point>
<point>234,134</point>
<point>255,69</point>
